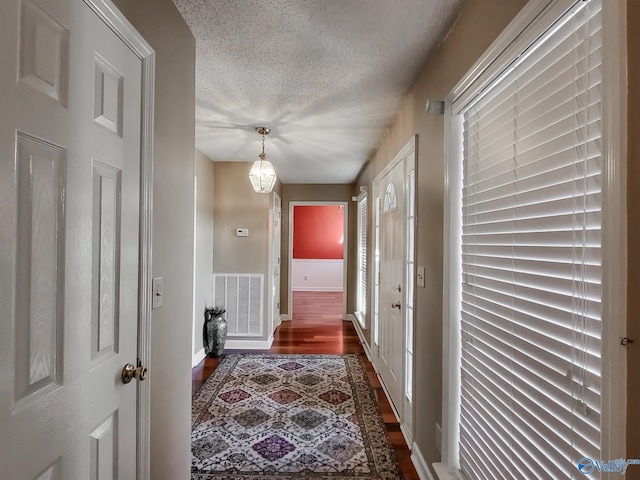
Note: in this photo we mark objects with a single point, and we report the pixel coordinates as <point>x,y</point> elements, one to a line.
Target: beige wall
<point>236,205</point>
<point>478,24</point>
<point>203,295</point>
<point>161,25</point>
<point>317,193</point>
<point>633,212</point>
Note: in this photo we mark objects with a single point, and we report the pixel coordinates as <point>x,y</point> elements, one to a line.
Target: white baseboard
<point>240,344</point>
<point>422,468</point>
<point>404,429</point>
<point>363,341</point>
<point>388,395</point>
<point>367,352</point>
<point>285,317</point>
<point>349,317</point>
<point>198,357</point>
<point>357,326</point>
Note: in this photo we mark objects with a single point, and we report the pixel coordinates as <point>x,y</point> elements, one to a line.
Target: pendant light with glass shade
<point>262,174</point>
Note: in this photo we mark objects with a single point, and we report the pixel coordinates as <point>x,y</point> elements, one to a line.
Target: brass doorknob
<point>130,371</point>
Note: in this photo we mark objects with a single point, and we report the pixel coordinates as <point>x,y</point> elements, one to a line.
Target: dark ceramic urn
<point>215,332</point>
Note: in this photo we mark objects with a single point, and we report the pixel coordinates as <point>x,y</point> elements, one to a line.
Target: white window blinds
<point>531,260</point>
<point>362,257</point>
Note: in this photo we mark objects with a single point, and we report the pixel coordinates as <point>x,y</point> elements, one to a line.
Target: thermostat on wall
<point>242,232</point>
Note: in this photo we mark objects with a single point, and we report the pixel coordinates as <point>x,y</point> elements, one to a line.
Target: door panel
<point>69,229</point>
<point>40,268</point>
<point>107,194</point>
<point>391,333</point>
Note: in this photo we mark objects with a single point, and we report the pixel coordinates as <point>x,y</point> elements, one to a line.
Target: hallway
<point>317,327</point>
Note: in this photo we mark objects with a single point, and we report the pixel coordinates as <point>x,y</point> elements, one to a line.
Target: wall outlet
<point>157,290</point>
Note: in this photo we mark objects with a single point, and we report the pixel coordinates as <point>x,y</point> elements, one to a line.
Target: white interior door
<point>391,325</point>
<point>275,255</point>
<point>69,223</point>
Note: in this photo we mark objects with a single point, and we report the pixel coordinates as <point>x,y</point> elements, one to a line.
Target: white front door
<point>69,230</point>
<point>391,328</point>
<point>275,255</point>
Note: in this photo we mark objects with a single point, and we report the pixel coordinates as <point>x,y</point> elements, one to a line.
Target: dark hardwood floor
<point>317,327</point>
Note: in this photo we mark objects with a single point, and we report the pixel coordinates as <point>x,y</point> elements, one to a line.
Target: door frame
<point>404,413</point>
<point>345,252</point>
<point>275,322</point>
<point>118,23</point>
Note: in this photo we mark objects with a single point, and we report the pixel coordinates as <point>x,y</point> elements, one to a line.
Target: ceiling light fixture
<point>262,174</point>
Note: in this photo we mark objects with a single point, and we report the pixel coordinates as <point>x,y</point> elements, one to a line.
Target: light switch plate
<point>420,276</point>
<point>157,290</point>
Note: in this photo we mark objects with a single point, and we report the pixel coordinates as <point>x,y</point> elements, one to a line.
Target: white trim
<point>198,357</point>
<point>195,315</point>
<point>442,473</point>
<point>364,343</point>
<point>273,324</point>
<point>409,283</point>
<point>527,26</point>
<point>349,317</point>
<point>369,355</point>
<point>452,273</point>
<point>109,13</point>
<point>404,428</point>
<point>233,344</point>
<point>421,466</point>
<point>614,229</point>
<point>345,249</point>
<point>285,317</point>
<point>316,289</point>
<point>398,157</point>
<point>396,414</point>
<point>269,300</point>
<point>374,301</point>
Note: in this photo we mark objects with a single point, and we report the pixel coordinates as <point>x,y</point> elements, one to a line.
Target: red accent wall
<point>318,231</point>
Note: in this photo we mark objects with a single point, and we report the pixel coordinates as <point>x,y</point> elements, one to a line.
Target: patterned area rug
<point>267,417</point>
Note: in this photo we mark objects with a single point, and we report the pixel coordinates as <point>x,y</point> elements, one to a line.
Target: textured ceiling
<point>327,76</point>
